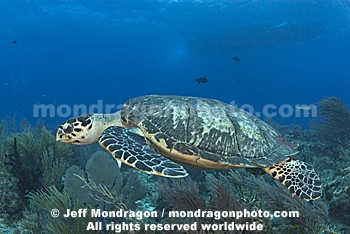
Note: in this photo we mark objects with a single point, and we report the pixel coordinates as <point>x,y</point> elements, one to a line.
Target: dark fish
<point>14,42</point>
<point>237,59</point>
<point>202,80</point>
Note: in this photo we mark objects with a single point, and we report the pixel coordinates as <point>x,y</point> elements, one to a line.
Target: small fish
<point>279,25</point>
<point>202,80</point>
<point>237,59</point>
<point>14,42</point>
<point>304,107</point>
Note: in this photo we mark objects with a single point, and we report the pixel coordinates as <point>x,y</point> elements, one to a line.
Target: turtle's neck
<point>104,121</point>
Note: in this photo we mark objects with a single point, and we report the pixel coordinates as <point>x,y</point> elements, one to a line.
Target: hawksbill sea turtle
<point>161,134</point>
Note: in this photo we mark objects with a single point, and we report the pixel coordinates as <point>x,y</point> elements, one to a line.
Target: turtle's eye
<point>67,128</point>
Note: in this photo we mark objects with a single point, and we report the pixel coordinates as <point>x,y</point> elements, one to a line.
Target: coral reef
<point>36,159</point>
<point>332,151</point>
<point>238,189</point>
<point>274,196</point>
<point>30,160</point>
<point>30,223</point>
<point>338,195</point>
<point>104,186</point>
<point>334,123</point>
<point>37,174</point>
<point>234,182</point>
<point>53,169</point>
<point>43,202</point>
<point>185,195</point>
<point>10,200</point>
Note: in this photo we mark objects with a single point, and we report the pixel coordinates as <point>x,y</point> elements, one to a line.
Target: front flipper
<point>299,177</point>
<point>132,149</point>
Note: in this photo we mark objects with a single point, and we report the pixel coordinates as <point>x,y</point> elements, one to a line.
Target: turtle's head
<point>80,130</point>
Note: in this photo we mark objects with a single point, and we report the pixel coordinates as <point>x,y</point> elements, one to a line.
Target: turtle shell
<point>205,132</point>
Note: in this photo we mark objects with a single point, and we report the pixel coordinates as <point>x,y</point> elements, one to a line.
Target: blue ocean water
<point>274,58</point>
<point>82,52</point>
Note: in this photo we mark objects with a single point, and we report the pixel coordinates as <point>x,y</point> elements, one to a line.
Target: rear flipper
<point>299,177</point>
<point>130,148</point>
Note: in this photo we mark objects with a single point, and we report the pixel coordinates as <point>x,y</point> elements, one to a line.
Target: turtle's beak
<point>61,136</point>
<point>64,133</point>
